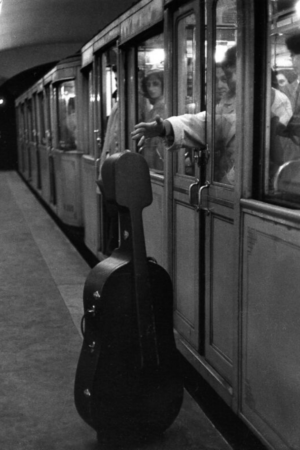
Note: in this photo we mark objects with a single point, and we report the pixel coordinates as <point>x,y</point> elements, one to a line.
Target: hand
<point>148,130</point>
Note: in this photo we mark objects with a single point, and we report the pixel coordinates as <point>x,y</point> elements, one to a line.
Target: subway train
<point>225,220</point>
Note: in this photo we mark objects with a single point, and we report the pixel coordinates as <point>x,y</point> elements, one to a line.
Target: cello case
<point>126,382</point>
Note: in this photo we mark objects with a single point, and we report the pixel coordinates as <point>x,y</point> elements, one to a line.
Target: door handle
<point>200,207</point>
<point>191,188</point>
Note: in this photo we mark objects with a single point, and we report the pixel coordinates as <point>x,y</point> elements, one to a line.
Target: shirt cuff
<point>168,129</point>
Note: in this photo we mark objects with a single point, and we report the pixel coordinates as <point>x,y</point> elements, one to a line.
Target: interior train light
<point>297,6</point>
<point>156,57</point>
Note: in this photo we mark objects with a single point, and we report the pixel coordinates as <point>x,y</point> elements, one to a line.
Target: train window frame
<point>189,8</point>
<point>89,111</point>
<point>102,59</point>
<point>73,144</point>
<point>227,179</point>
<point>130,85</point>
<point>271,189</point>
<point>147,109</point>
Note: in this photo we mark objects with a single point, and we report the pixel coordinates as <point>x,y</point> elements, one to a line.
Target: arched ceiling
<point>37,32</point>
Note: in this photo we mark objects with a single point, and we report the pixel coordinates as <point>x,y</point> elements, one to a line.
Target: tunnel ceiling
<point>36,32</point>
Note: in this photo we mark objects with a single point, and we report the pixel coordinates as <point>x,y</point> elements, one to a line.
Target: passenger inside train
<point>189,130</point>
<point>285,77</point>
<point>292,91</point>
<point>286,144</point>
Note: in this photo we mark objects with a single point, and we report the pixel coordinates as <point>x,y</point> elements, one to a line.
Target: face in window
<point>230,73</point>
<point>154,88</point>
<point>281,80</point>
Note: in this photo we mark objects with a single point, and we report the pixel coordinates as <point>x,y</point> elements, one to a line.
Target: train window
<point>282,149</point>
<point>110,107</point>
<point>42,128</point>
<point>111,82</point>
<point>225,92</point>
<point>150,79</point>
<point>66,114</point>
<point>186,82</point>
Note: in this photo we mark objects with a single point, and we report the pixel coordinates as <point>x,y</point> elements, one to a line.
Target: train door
<point>219,187</point>
<point>186,175</point>
<point>204,194</point>
<point>107,116</point>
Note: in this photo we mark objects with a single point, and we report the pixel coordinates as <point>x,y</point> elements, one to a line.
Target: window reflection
<point>282,158</point>
<point>225,92</point>
<point>67,126</point>
<point>151,96</point>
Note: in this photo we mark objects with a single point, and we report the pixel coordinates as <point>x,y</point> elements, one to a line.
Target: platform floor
<point>41,284</point>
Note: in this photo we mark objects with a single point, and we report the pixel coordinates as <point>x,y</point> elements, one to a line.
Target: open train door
<point>184,173</point>
<point>204,246</point>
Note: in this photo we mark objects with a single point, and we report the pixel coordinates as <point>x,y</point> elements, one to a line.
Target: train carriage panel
<point>271,324</point>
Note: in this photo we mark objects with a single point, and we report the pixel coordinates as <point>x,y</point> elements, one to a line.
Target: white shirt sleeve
<point>189,130</point>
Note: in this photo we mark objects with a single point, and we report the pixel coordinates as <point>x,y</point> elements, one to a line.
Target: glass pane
<point>225,92</point>
<point>67,124</point>
<point>282,155</point>
<point>186,88</point>
<point>151,96</point>
<point>111,81</point>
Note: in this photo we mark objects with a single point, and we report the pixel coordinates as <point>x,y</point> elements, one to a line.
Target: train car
<point>50,130</point>
<point>225,216</point>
